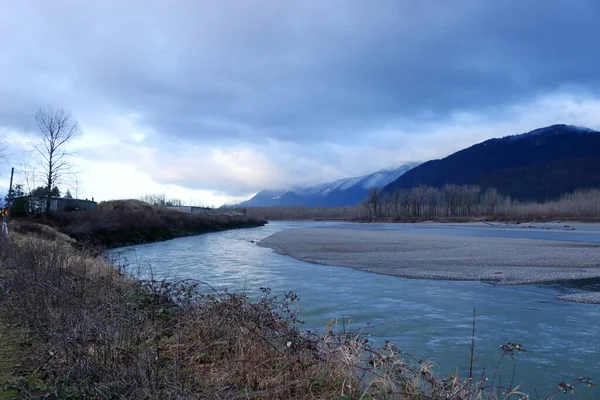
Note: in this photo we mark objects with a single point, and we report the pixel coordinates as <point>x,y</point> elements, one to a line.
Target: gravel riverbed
<point>434,256</point>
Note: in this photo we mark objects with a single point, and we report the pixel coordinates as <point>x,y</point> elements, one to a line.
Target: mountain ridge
<point>339,193</point>
<point>526,166</point>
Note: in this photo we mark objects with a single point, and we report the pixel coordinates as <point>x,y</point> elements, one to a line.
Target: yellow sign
<point>4,212</point>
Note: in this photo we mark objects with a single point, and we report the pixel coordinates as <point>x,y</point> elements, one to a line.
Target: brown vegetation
<point>451,203</point>
<point>123,222</point>
<point>91,331</point>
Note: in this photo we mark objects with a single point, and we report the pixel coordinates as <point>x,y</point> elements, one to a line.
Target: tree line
<point>430,202</point>
<point>161,200</point>
<point>23,202</point>
<point>451,202</point>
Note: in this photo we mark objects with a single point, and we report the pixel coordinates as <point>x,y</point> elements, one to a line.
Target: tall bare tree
<point>56,129</point>
<point>3,151</point>
<point>374,199</point>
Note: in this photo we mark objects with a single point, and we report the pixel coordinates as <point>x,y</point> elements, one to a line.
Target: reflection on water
<point>590,285</point>
<point>426,318</point>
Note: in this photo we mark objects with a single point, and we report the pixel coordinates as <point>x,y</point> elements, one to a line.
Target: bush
<point>122,222</point>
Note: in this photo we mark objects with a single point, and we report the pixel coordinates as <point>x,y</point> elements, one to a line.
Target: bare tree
<point>27,176</point>
<point>417,198</point>
<point>56,128</point>
<point>452,199</point>
<point>76,185</point>
<point>3,151</point>
<point>432,200</point>
<point>367,204</point>
<point>374,199</point>
<point>490,200</point>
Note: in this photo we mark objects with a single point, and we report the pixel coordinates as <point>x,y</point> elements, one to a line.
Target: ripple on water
<point>428,319</point>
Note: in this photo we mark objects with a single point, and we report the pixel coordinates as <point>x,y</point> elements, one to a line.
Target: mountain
<point>538,165</point>
<point>340,193</point>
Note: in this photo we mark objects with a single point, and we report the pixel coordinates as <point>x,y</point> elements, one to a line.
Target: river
<point>428,319</point>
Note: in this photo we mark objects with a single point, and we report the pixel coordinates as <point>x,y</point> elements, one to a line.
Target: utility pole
<point>6,218</point>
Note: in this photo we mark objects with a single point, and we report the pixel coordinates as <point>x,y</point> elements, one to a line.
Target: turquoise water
<point>425,318</point>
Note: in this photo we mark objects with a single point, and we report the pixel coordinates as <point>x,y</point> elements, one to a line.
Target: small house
<point>36,204</point>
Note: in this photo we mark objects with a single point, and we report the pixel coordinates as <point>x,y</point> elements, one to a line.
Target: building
<point>190,209</point>
<point>35,205</point>
<point>66,204</point>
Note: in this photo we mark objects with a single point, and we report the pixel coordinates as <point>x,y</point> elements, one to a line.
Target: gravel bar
<point>587,297</point>
<point>435,256</point>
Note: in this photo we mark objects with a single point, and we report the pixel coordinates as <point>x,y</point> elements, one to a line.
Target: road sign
<point>4,212</point>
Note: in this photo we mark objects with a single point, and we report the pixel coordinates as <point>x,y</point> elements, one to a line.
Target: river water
<point>426,318</point>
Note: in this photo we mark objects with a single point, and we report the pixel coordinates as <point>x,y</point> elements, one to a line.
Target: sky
<point>213,101</point>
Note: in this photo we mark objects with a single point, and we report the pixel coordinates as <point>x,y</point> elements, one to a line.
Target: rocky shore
<point>410,254</point>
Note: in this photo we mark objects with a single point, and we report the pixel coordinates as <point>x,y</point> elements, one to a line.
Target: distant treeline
<point>161,200</point>
<point>452,202</point>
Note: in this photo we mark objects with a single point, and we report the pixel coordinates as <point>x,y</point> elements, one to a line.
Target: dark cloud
<point>306,72</point>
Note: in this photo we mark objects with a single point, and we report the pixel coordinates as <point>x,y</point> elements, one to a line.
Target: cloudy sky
<point>216,100</point>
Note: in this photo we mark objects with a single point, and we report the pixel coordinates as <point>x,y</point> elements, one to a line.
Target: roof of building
<point>54,198</point>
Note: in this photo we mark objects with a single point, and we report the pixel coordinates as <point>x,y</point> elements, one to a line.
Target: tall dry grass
<point>123,222</point>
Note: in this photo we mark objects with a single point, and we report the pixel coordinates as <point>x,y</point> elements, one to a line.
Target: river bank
<point>84,329</point>
<point>121,223</point>
<point>411,253</point>
<point>427,319</point>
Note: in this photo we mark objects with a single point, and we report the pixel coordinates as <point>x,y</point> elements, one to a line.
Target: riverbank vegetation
<point>450,203</point>
<point>123,222</point>
<point>74,326</point>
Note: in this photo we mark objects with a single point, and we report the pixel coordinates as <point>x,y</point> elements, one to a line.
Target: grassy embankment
<point>125,222</point>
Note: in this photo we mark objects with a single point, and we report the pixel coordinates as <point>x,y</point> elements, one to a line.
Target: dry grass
<point>123,222</point>
<point>95,332</point>
<point>28,228</point>
<point>130,205</point>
